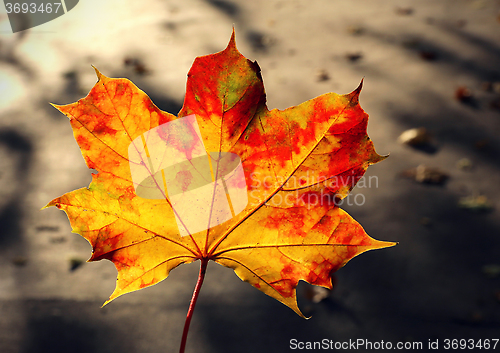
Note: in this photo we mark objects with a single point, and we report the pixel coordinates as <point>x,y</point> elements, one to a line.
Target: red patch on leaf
<point>320,273</point>
<point>83,142</point>
<point>103,128</point>
<point>147,284</point>
<point>184,179</point>
<point>90,163</point>
<point>285,287</point>
<point>123,261</point>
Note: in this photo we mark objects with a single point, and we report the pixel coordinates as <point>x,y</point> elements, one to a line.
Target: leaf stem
<point>201,277</point>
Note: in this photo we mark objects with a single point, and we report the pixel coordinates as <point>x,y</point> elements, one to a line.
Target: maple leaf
<point>227,180</point>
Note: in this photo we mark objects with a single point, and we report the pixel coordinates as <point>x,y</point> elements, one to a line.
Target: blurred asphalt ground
<point>441,282</point>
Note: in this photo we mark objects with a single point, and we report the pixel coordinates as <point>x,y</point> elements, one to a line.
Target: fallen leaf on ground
<point>491,270</point>
<point>316,294</point>
<point>403,11</point>
<point>426,175</point>
<point>495,103</point>
<point>415,137</point>
<point>227,180</point>
<point>75,262</point>
<point>355,30</point>
<point>487,86</point>
<point>463,94</point>
<point>137,65</point>
<point>353,57</point>
<point>47,228</point>
<point>20,261</point>
<point>465,164</point>
<point>428,55</point>
<point>496,87</point>
<point>426,221</point>
<point>482,144</point>
<point>322,75</point>
<point>476,203</point>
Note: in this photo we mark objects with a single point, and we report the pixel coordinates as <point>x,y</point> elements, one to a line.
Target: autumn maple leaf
<point>227,180</point>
